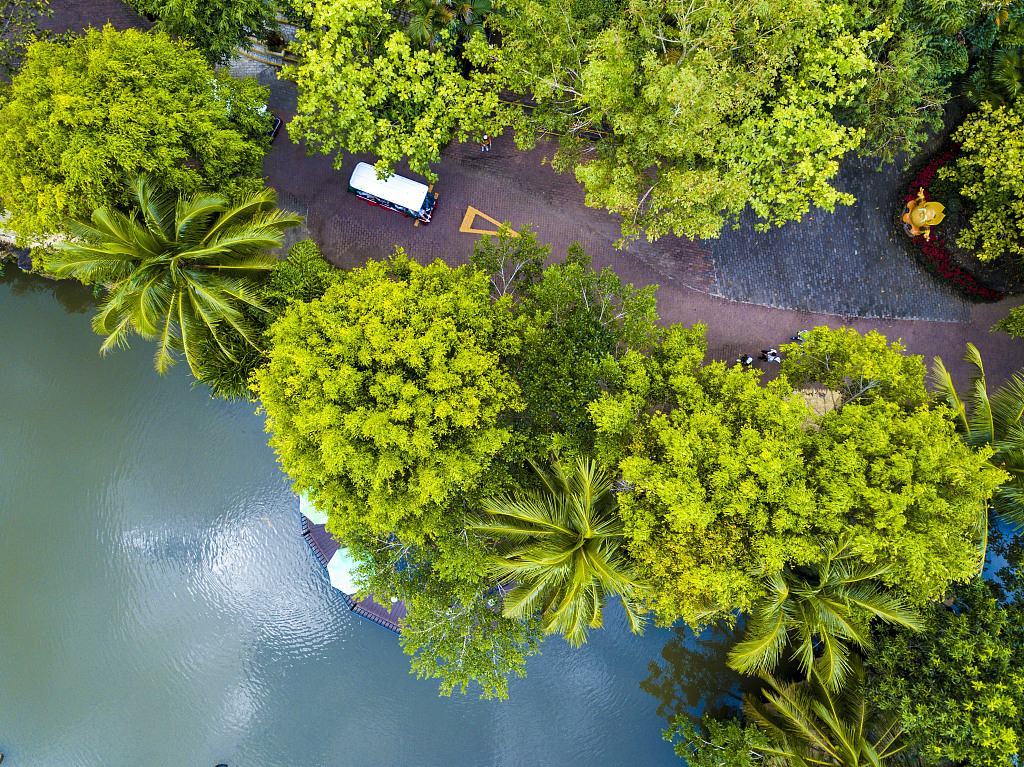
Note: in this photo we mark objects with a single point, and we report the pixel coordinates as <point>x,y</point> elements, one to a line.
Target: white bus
<point>397,193</point>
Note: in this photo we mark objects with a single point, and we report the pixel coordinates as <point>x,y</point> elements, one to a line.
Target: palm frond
<point>883,605</point>
<point>1008,502</point>
<point>156,205</point>
<point>760,652</point>
<point>982,424</point>
<point>946,392</point>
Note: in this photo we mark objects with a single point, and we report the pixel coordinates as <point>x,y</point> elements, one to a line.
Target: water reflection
<point>693,677</point>
<point>189,623</point>
<point>72,296</point>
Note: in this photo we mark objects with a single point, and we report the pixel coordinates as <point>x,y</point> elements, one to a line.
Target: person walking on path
<point>770,355</point>
<point>745,361</point>
<point>485,145</point>
<point>800,337</point>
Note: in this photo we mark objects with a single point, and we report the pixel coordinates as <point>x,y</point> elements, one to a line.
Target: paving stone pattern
<point>847,263</point>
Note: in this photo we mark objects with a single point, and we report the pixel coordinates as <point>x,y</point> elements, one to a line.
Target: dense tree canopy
<point>860,368</point>
<point>697,109</point>
<point>82,115</point>
<point>958,687</point>
<point>364,85</point>
<point>578,322</point>
<point>383,396</point>
<point>732,481</point>
<point>215,27</point>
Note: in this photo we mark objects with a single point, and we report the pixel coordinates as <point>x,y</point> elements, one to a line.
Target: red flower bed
<point>934,251</point>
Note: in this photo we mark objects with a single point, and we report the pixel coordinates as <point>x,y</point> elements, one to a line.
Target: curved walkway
<point>752,289</point>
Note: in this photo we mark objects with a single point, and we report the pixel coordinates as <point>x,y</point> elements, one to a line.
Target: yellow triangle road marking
<point>469,218</point>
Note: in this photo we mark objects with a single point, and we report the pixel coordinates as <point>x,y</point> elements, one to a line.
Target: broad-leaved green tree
<point>81,116</point>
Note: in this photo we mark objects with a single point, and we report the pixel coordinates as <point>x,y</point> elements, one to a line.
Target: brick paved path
<point>828,270</point>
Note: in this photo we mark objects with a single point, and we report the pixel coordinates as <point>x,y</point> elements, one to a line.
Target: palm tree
<point>998,79</point>
<point>808,724</point>
<point>459,18</point>
<point>819,610</point>
<point>562,548</point>
<point>177,270</point>
<point>996,421</point>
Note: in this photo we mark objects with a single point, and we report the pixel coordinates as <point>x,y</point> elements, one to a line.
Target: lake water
<point>158,605</point>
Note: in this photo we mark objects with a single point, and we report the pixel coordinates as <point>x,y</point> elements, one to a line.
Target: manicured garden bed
<point>934,253</point>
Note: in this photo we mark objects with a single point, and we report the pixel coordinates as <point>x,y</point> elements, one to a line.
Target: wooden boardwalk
<point>324,547</point>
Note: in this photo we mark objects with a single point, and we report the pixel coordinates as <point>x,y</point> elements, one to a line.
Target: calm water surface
<point>159,607</point>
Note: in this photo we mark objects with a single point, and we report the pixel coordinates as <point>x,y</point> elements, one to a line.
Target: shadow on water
<point>693,677</point>
<point>74,297</point>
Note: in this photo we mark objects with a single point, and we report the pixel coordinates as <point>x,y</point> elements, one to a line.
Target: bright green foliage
<point>908,490</point>
<point>860,368</point>
<point>303,276</point>
<point>716,743</point>
<point>717,472</point>
<point>444,24</point>
<point>990,172</point>
<point>809,724</point>
<point>826,608</point>
<point>383,396</point>
<point>698,109</point>
<point>996,422</point>
<point>177,269</point>
<point>19,26</point>
<point>81,116</point>
<point>454,628</point>
<point>215,27</point>
<point>364,87</point>
<point>958,687</point>
<point>560,549</point>
<point>731,479</point>
<point>579,322</point>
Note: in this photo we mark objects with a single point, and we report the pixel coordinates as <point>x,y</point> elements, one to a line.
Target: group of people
<point>770,355</point>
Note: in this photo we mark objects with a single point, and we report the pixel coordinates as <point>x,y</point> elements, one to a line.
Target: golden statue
<point>920,216</point>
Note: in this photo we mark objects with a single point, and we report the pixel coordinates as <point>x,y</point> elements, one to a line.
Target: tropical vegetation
<point>989,172</point>
<point>822,612</point>
<point>995,422</point>
<point>957,687</point>
<point>560,550</point>
<point>732,482</point>
<point>215,27</point>
<point>82,114</point>
<point>175,270</point>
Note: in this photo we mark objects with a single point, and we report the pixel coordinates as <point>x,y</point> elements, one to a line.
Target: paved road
<point>833,270</point>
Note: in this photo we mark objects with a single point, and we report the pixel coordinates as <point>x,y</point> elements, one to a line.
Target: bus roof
<point>397,189</point>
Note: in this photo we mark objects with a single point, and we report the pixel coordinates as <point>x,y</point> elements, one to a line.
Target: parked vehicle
<point>398,193</point>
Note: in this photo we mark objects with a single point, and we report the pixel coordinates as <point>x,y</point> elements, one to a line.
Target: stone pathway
<point>847,263</point>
